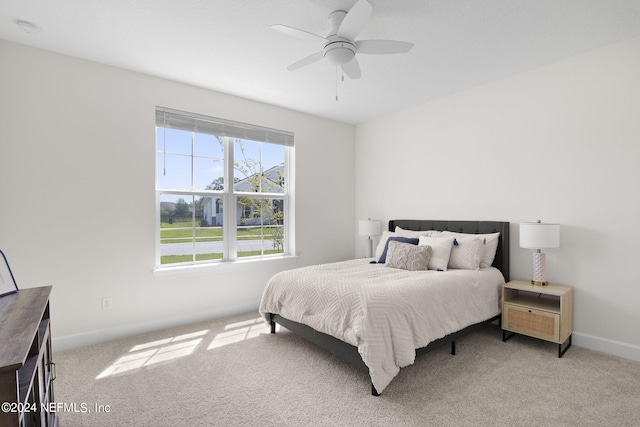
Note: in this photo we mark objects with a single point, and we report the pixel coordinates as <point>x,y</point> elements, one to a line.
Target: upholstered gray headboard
<point>501,262</point>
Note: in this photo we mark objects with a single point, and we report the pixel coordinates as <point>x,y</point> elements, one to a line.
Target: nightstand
<point>544,312</point>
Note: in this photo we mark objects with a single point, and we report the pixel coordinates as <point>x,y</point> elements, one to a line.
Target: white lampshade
<point>369,227</point>
<point>539,235</point>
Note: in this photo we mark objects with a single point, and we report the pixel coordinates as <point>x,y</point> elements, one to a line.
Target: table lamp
<point>539,235</point>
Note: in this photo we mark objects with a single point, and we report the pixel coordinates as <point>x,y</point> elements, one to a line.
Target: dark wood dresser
<point>26,369</point>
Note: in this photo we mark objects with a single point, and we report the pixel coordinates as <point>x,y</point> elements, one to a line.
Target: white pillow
<point>440,251</point>
<point>466,254</point>
<point>413,233</point>
<point>490,241</point>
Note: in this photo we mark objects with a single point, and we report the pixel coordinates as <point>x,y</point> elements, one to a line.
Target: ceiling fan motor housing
<point>339,50</point>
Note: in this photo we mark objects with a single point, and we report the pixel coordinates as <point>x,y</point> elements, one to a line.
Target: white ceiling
<point>228,45</point>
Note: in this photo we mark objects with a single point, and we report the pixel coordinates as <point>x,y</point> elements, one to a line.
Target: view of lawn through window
<point>220,197</point>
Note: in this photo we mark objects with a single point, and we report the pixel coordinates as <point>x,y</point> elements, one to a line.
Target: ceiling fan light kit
<point>340,47</point>
<point>339,53</point>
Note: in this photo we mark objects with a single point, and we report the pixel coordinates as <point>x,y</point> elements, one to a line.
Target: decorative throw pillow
<point>490,241</point>
<point>383,257</point>
<point>466,253</point>
<point>383,242</point>
<point>440,251</point>
<point>408,256</point>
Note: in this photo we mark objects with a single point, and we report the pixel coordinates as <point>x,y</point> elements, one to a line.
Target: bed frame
<point>349,353</point>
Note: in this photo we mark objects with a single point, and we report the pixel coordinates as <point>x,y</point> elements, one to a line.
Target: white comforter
<point>386,312</point>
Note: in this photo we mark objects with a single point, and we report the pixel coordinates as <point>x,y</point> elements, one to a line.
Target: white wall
<point>77,191</point>
<point>558,143</point>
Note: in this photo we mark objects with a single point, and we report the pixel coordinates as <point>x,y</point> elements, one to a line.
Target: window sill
<point>222,267</point>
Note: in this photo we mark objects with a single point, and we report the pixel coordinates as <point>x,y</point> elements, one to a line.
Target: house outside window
<point>222,190</point>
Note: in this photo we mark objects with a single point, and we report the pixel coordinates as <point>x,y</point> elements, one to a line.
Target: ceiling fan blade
<point>300,34</point>
<point>352,69</point>
<point>382,46</point>
<point>355,20</point>
<point>306,61</point>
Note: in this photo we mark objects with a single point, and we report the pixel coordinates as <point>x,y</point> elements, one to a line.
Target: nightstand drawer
<point>535,323</point>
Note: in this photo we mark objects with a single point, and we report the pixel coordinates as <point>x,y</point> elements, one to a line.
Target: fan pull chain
<point>341,79</point>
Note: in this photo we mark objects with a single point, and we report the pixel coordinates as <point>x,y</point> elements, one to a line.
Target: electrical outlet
<point>106,303</point>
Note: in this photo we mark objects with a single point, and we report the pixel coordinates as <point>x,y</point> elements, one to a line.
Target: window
<point>223,190</point>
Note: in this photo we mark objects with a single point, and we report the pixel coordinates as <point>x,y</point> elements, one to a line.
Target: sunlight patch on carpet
<point>154,352</point>
<point>240,331</point>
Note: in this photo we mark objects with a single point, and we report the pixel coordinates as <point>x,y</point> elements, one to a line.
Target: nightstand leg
<point>504,337</point>
<point>561,352</point>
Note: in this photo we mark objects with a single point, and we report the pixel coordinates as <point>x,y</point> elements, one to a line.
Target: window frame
<point>229,197</point>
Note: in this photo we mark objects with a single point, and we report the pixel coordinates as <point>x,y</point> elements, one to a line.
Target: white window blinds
<point>191,122</point>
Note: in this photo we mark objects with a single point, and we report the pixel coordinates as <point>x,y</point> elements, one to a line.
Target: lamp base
<point>536,283</point>
<point>369,248</point>
<point>539,267</point>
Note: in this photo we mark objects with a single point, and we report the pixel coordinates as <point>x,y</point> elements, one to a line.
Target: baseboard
<point>109,334</point>
<point>616,348</point>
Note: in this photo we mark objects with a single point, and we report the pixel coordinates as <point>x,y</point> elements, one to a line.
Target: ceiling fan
<point>340,45</point>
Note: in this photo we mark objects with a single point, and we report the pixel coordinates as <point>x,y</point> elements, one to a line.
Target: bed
<point>380,318</point>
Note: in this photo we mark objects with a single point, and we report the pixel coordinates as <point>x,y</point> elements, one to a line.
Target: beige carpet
<point>232,372</point>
